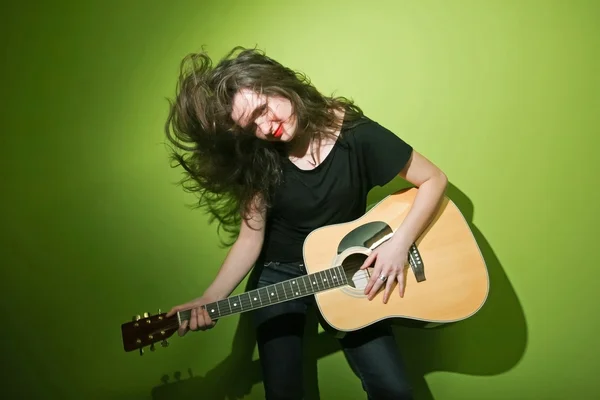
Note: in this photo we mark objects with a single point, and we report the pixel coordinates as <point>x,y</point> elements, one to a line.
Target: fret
<point>245,304</point>
<point>264,296</point>
<point>307,282</point>
<point>289,290</point>
<point>316,280</point>
<point>323,280</point>
<point>326,283</point>
<point>272,293</point>
<point>333,275</point>
<point>303,284</point>
<point>328,278</point>
<point>281,290</point>
<point>235,301</point>
<point>342,275</point>
<point>334,279</point>
<point>245,301</point>
<point>278,293</point>
<point>254,299</point>
<point>257,296</point>
<point>293,289</point>
<point>289,294</point>
<point>339,275</point>
<point>212,309</point>
<point>224,307</point>
<point>337,278</point>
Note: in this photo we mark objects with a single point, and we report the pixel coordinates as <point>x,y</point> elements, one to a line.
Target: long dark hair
<point>224,165</point>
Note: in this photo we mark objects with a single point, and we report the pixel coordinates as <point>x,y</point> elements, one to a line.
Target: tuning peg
<point>136,318</point>
<point>152,347</point>
<point>159,311</point>
<point>146,315</point>
<point>141,351</point>
<point>164,343</point>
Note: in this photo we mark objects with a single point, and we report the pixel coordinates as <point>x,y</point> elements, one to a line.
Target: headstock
<point>148,329</point>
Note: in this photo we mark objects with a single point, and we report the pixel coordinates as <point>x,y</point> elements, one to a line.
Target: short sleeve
<point>383,154</point>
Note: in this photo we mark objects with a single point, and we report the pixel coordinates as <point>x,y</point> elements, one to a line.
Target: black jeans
<point>371,352</point>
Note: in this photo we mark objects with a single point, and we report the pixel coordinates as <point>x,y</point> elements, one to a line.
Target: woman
<point>273,159</point>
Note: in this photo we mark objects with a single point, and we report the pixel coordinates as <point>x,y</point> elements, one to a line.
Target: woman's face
<point>275,120</point>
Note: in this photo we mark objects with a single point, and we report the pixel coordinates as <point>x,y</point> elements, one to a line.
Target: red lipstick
<point>279,131</point>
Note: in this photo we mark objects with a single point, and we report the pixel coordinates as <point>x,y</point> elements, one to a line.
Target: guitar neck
<point>304,285</point>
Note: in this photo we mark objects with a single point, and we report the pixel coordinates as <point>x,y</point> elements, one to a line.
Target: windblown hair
<point>226,165</point>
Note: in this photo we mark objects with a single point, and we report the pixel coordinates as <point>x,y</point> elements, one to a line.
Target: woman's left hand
<point>390,264</point>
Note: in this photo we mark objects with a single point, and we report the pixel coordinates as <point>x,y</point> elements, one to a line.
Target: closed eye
<point>259,112</point>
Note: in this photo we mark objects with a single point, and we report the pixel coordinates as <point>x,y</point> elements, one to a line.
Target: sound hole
<point>356,277</point>
<point>365,235</point>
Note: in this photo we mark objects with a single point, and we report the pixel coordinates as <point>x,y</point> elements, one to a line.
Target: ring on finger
<point>382,278</point>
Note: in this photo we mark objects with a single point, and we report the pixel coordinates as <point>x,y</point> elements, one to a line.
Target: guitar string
<point>287,292</point>
<point>363,277</point>
<point>175,325</point>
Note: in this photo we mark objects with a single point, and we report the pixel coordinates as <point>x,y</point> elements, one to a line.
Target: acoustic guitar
<point>447,280</point>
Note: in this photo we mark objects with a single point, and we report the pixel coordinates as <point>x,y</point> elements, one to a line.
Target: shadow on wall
<point>489,343</point>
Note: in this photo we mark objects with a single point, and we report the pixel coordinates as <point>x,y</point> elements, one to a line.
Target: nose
<point>264,125</point>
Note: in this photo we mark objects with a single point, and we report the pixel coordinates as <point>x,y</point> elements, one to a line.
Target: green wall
<point>503,95</point>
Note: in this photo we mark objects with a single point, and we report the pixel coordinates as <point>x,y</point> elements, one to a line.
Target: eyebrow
<point>255,114</point>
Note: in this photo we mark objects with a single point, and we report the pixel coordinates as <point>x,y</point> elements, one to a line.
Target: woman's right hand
<point>199,318</point>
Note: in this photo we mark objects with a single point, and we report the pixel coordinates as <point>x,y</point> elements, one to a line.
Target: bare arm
<point>241,257</point>
<point>239,261</point>
<point>390,258</point>
<point>432,183</point>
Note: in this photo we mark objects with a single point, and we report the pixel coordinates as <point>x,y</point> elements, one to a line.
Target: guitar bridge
<point>416,263</point>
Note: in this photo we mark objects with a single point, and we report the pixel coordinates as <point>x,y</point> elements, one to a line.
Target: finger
<point>193,320</point>
<point>375,283</point>
<point>369,260</point>
<point>202,318</point>
<point>207,319</point>
<point>182,328</point>
<point>401,284</point>
<point>375,289</point>
<point>389,285</point>
<point>176,309</point>
<point>373,279</point>
<point>172,311</point>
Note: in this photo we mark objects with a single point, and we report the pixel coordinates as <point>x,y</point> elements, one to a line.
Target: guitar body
<point>453,282</point>
<point>447,280</point>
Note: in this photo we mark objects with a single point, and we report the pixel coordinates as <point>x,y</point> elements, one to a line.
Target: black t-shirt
<point>364,156</point>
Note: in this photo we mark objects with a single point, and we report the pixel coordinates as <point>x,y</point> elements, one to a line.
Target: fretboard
<point>277,293</point>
